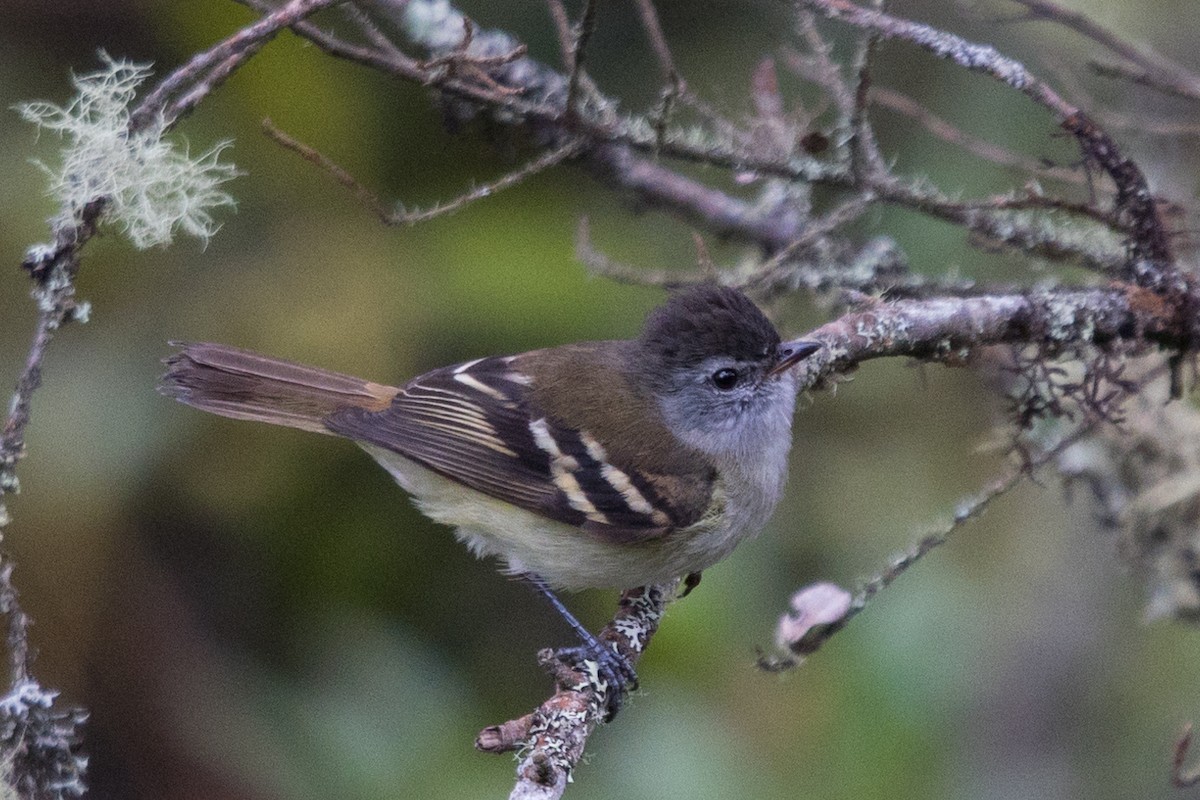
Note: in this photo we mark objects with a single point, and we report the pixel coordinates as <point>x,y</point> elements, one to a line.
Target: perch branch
<point>949,328</point>
<point>553,736</point>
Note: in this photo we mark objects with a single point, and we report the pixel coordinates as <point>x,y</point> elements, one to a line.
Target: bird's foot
<point>610,672</point>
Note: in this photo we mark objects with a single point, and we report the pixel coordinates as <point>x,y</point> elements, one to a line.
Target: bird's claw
<point>612,668</point>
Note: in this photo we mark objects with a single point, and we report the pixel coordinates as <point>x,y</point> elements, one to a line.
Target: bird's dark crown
<point>707,321</point>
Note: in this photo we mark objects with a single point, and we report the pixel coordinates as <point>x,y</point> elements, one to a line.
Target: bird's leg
<point>613,667</point>
<point>691,581</point>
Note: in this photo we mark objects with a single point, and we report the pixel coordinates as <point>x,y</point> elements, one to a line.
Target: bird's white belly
<point>563,555</point>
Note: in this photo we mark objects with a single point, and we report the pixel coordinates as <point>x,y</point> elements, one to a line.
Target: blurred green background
<point>251,612</point>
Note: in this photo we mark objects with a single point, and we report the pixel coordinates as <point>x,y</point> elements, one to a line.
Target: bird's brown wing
<point>480,424</point>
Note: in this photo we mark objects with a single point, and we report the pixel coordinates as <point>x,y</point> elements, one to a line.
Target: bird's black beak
<point>792,353</point>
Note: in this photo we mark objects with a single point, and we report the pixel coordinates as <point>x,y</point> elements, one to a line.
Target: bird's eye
<point>725,379</point>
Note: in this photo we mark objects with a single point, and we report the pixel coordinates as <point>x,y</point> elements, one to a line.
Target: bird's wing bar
<point>476,423</point>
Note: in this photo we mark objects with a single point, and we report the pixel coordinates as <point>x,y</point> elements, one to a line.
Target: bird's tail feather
<point>246,385</point>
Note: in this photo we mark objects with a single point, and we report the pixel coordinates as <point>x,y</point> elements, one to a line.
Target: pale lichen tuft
<point>152,187</point>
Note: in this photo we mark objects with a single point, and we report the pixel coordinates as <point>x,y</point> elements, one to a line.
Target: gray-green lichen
<point>152,187</point>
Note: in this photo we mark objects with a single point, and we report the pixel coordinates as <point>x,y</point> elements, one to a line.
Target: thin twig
<point>675,87</point>
<point>864,150</point>
<point>1142,77</point>
<point>1156,71</point>
<point>648,14</point>
<point>1182,778</point>
<point>371,31</point>
<point>1027,200</point>
<point>335,171</point>
<point>778,267</point>
<point>389,60</point>
<point>599,263</point>
<point>966,511</point>
<point>1142,123</point>
<point>562,28</point>
<point>581,34</point>
<point>392,216</point>
<point>902,104</point>
<point>1148,239</point>
<point>222,59</point>
<point>53,270</point>
<point>540,164</point>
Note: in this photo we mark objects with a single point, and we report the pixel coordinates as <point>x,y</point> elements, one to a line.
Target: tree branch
<point>40,745</point>
<point>950,328</point>
<point>1154,69</point>
<point>553,736</point>
<point>1150,303</point>
<point>1149,237</point>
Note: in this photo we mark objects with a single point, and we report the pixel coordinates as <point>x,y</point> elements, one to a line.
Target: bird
<point>605,464</point>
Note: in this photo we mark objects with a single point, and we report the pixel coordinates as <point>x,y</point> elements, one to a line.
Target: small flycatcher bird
<point>610,464</point>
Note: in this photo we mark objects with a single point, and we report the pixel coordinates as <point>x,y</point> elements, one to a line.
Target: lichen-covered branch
<point>117,169</point>
<point>764,165</point>
<point>1152,68</point>
<point>553,736</point>
<point>1161,542</point>
<point>476,71</point>
<point>178,93</point>
<point>819,612</point>
<point>1148,235</point>
<point>942,329</point>
<point>952,328</point>
<point>1116,233</point>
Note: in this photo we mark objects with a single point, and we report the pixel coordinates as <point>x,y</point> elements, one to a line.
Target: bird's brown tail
<point>246,385</point>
